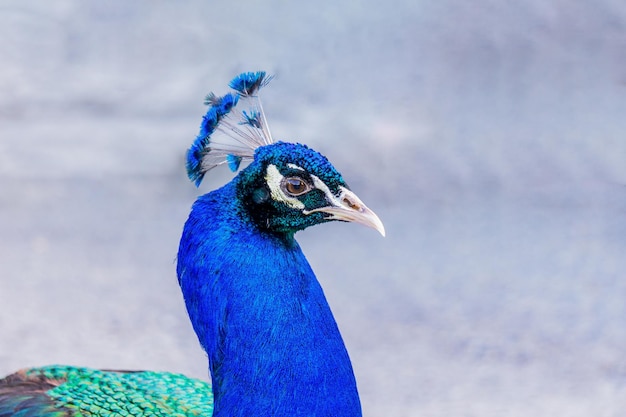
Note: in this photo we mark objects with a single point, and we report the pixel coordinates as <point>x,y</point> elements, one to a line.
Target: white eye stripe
<point>334,200</point>
<point>320,185</point>
<point>274,179</point>
<point>294,166</point>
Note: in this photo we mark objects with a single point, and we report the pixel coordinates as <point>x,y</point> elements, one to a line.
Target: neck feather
<point>259,312</point>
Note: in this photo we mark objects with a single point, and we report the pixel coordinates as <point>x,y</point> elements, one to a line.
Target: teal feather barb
<point>71,391</point>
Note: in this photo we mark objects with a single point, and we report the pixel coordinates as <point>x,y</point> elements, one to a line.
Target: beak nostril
<point>351,204</point>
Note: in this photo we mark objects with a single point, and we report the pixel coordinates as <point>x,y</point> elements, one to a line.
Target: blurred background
<point>489,136</point>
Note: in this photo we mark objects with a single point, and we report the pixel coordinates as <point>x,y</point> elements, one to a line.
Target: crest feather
<point>233,127</point>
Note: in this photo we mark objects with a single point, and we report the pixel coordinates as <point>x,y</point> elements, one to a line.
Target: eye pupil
<point>295,186</point>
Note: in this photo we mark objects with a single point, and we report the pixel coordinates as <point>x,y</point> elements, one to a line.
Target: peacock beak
<point>349,208</point>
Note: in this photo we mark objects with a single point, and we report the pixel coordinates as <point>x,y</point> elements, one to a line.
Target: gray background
<point>489,137</point>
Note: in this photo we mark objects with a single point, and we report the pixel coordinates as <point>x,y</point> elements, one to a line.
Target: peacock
<point>273,345</point>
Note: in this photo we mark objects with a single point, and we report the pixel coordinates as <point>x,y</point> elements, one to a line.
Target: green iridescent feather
<point>70,391</point>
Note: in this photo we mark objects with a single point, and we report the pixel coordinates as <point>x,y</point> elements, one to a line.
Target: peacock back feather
<point>59,391</point>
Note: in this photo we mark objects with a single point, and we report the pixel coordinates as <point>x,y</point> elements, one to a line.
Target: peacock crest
<point>232,128</point>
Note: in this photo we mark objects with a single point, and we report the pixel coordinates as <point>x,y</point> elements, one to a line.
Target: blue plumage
<point>258,310</point>
<point>239,117</point>
<point>274,347</point>
<point>233,162</point>
<point>249,83</point>
<point>256,306</point>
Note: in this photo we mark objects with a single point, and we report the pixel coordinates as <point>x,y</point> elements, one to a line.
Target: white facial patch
<point>274,179</point>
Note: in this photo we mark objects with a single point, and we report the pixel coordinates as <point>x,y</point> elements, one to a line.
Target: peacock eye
<point>295,186</point>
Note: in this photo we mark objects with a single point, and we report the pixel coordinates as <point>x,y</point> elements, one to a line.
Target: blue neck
<point>259,312</point>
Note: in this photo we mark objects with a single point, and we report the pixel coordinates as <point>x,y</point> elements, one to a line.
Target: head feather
<point>233,127</point>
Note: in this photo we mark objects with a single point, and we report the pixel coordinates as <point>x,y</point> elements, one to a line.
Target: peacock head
<point>287,187</point>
